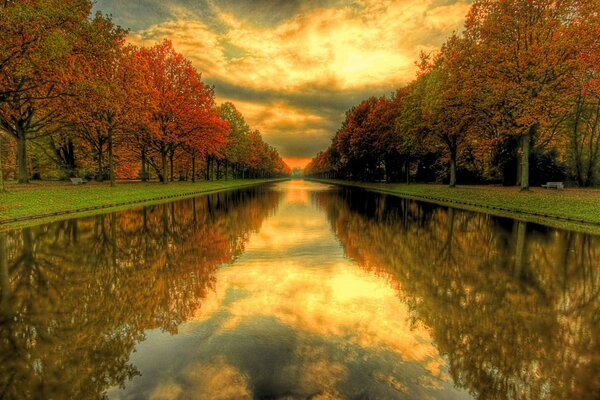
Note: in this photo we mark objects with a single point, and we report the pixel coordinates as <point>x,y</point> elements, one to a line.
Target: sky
<point>293,67</point>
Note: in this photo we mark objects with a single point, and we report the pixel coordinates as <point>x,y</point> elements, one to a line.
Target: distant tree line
<point>514,98</point>
<point>76,100</point>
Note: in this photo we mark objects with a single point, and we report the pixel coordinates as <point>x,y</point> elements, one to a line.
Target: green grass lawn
<point>549,206</point>
<point>42,198</point>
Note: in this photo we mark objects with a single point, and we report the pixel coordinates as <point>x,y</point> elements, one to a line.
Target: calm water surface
<point>298,290</point>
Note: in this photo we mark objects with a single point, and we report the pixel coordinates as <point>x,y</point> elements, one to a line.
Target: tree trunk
<point>171,155</point>
<point>194,168</point>
<point>207,173</point>
<point>111,163</point>
<point>2,189</point>
<point>22,157</point>
<point>525,144</point>
<point>519,169</point>
<point>71,154</point>
<point>218,169</point>
<point>575,150</point>
<point>100,174</point>
<point>593,147</point>
<point>165,167</point>
<point>452,168</point>
<point>145,174</point>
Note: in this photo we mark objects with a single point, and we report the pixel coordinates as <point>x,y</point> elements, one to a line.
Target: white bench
<point>78,181</point>
<point>554,185</point>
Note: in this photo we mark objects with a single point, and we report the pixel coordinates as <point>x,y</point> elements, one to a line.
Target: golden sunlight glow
<point>332,298</point>
<point>294,162</point>
<point>347,302</point>
<point>365,46</point>
<point>342,45</point>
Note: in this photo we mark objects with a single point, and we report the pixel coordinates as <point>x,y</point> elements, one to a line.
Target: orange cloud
<point>365,45</point>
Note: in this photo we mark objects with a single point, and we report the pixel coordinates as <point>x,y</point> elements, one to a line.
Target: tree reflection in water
<point>514,306</point>
<point>77,295</point>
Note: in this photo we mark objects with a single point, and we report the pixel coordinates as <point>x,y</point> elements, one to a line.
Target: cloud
<point>308,60</point>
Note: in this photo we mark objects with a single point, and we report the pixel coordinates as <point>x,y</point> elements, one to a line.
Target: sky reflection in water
<point>298,290</point>
<point>294,317</point>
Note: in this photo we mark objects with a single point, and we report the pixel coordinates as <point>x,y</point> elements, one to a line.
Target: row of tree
<point>76,99</point>
<point>517,91</point>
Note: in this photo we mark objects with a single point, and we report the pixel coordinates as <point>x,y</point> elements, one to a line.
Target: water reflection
<point>294,318</point>
<point>514,305</point>
<point>78,295</point>
<point>298,290</point>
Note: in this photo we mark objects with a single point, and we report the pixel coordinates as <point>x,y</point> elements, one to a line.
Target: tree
<point>449,104</point>
<point>179,93</point>
<point>412,125</point>
<point>237,142</point>
<point>44,50</point>
<point>207,135</point>
<point>107,100</point>
<point>377,137</point>
<point>582,128</point>
<point>581,125</point>
<point>354,142</point>
<point>525,53</point>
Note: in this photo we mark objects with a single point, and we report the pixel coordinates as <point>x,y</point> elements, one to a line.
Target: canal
<point>298,290</point>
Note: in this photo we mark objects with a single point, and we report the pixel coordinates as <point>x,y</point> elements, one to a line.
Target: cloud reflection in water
<point>294,318</point>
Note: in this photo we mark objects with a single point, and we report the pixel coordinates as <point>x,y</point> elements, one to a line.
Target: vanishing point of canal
<point>298,290</point>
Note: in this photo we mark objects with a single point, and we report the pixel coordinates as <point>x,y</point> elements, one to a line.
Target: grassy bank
<point>47,201</point>
<point>569,208</point>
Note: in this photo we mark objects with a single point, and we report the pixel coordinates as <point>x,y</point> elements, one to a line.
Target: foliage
<point>521,80</point>
<point>72,92</point>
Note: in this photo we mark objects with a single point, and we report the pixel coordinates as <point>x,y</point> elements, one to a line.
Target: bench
<point>554,185</point>
<point>78,181</point>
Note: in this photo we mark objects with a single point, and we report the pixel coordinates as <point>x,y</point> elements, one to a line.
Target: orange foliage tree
<point>70,86</point>
<point>45,46</point>
<point>523,71</point>
<point>183,110</point>
<point>525,54</point>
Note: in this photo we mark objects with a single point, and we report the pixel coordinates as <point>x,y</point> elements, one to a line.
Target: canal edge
<point>5,224</point>
<point>520,215</point>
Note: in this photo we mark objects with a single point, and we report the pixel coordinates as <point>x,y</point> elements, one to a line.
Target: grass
<point>39,200</point>
<point>571,208</point>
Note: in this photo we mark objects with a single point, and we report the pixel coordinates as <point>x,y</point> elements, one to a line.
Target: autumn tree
<point>412,124</point>
<point>107,102</point>
<point>207,134</point>
<point>450,110</point>
<point>237,141</point>
<point>581,125</point>
<point>179,92</point>
<point>45,46</point>
<point>384,141</point>
<point>582,129</point>
<point>524,55</point>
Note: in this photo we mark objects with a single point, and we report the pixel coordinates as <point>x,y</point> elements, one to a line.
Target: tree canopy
<point>513,98</point>
<point>77,100</point>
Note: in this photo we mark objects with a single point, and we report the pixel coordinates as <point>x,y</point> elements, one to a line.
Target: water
<point>298,290</point>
